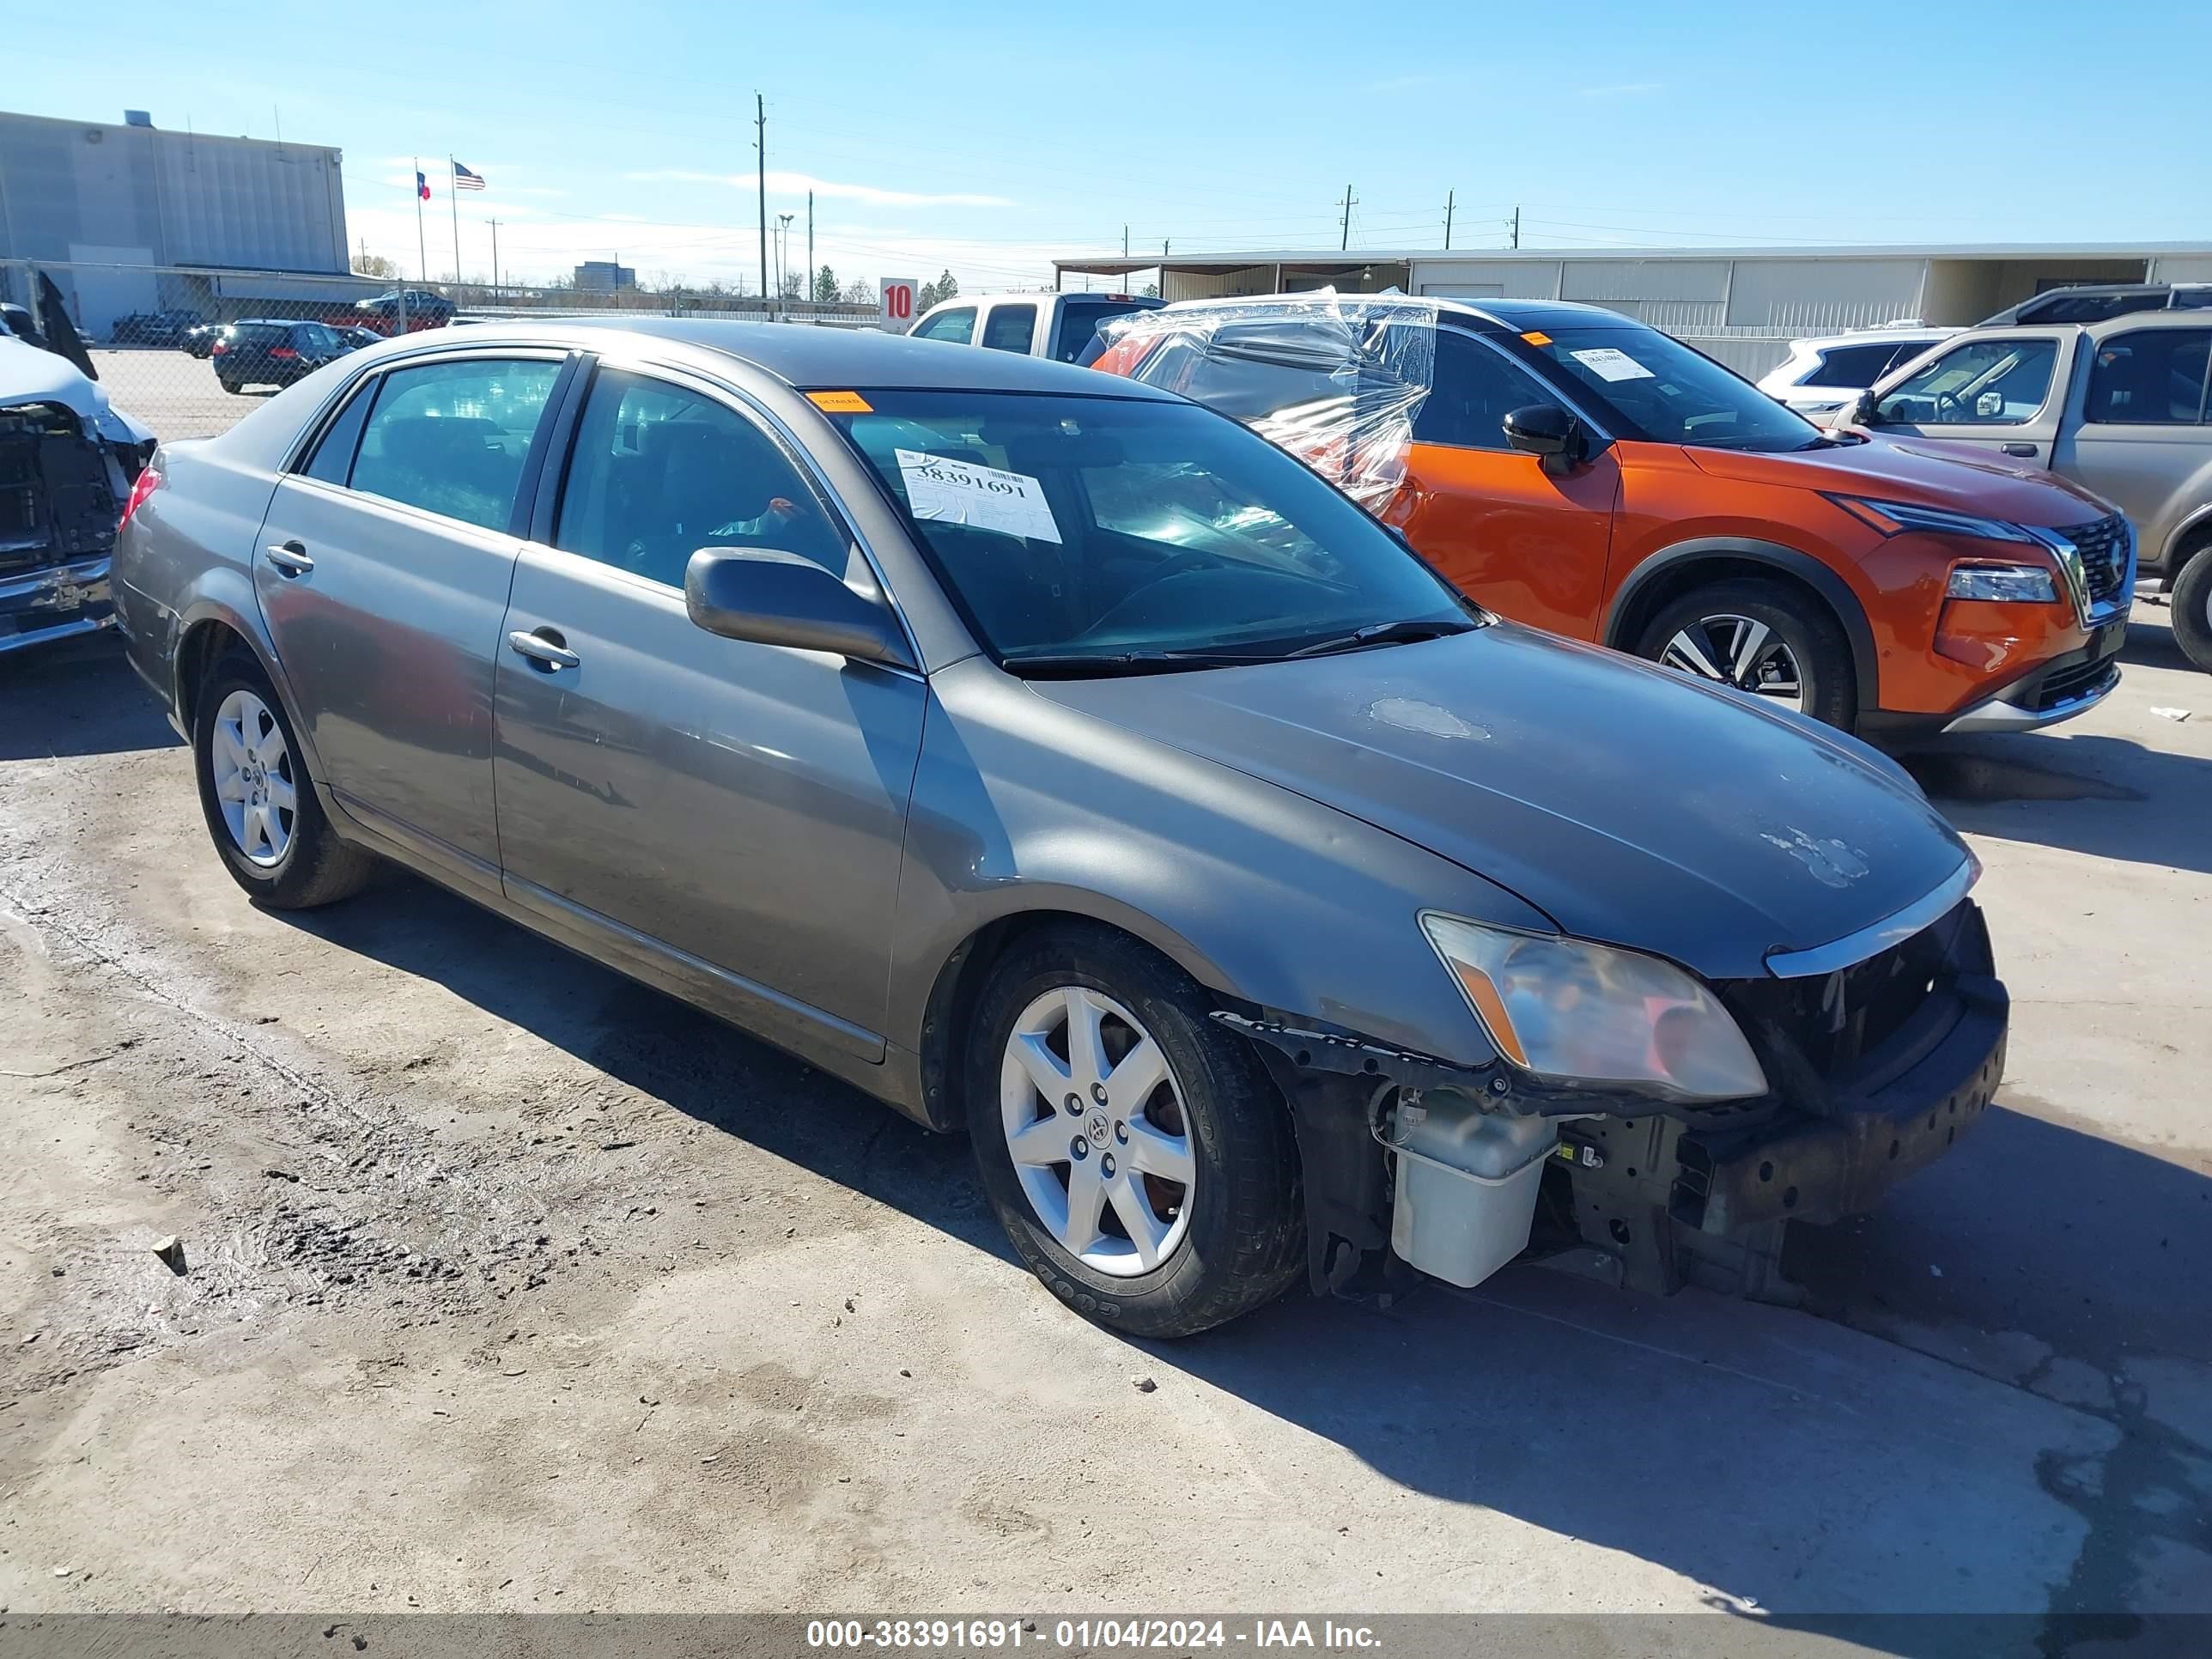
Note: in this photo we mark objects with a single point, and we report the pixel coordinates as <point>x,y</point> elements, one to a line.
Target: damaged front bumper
<point>59,502</point>
<point>1880,1068</point>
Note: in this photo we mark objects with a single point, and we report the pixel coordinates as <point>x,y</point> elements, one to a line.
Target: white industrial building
<point>1742,306</point>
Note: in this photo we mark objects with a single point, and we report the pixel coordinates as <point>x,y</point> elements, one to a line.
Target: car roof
<point>1887,335</point>
<point>2128,322</point>
<point>809,357</point>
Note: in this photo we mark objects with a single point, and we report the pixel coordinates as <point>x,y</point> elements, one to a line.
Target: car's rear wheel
<point>259,799</point>
<point>1135,1152</point>
<point>2191,603</point>
<point>1759,637</point>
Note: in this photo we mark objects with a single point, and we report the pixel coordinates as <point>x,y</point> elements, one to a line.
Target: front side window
<point>957,327</point>
<point>1010,328</point>
<point>1648,386</point>
<point>1476,387</point>
<point>1981,383</point>
<point>450,438</point>
<point>1854,366</point>
<point>1109,531</point>
<point>658,471</point>
<point>2153,377</point>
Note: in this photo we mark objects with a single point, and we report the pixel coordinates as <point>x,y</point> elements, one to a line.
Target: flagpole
<point>422,252</point>
<point>454,195</point>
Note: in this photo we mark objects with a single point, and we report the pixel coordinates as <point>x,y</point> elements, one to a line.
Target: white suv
<point>1819,377</point>
<point>1057,326</point>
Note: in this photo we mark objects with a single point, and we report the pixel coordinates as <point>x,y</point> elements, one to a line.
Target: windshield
<point>1647,385</point>
<point>1091,527</point>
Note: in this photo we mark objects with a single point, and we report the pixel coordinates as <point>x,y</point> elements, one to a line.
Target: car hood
<point>30,375</point>
<point>1964,479</point>
<point>1627,802</point>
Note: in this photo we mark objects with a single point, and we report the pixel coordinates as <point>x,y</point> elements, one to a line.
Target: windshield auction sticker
<point>1612,364</point>
<point>982,497</point>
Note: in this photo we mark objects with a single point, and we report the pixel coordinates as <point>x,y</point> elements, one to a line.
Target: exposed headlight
<point>2028,582</point>
<point>1894,517</point>
<point>1571,1011</point>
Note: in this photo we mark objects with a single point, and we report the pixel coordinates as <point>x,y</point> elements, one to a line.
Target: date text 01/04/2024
<point>1088,1635</point>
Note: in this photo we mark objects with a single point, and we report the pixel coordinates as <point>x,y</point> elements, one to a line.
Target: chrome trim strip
<point>1854,948</point>
<point>1998,715</point>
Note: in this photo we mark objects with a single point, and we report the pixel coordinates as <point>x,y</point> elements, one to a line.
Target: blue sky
<point>988,138</point>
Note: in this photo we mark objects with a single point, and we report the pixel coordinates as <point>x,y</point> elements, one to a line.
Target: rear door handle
<point>290,558</point>
<point>2025,451</point>
<point>544,649</point>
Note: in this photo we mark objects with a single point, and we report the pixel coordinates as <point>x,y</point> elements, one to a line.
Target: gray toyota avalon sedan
<point>1056,760</point>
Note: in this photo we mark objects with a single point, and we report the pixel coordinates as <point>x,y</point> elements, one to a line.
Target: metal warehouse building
<point>1742,306</point>
<point>135,217</point>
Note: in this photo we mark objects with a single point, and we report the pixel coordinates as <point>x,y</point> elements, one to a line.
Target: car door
<point>2003,392</point>
<point>2143,441</point>
<point>1529,543</point>
<point>383,570</point>
<point>727,814</point>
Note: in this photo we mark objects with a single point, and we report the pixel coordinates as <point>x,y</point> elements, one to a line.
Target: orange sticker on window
<point>1537,336</point>
<point>841,402</point>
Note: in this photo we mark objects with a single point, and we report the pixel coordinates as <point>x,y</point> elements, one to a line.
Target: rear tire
<point>2190,606</point>
<point>1230,1230</point>
<point>1779,638</point>
<point>259,799</point>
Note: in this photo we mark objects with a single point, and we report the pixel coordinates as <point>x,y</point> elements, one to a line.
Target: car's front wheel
<point>258,799</point>
<point>1137,1154</point>
<point>1759,637</point>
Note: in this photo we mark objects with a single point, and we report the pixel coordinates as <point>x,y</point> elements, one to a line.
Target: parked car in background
<point>1570,467</point>
<point>2094,302</point>
<point>2122,406</point>
<point>270,351</point>
<point>151,328</point>
<point>357,337</point>
<point>199,340</point>
<point>1821,376</point>
<point>1073,725</point>
<point>419,307</point>
<point>69,461</point>
<point>1056,326</point>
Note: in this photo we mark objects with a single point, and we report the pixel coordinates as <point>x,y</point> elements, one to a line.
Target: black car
<point>422,308</point>
<point>358,337</point>
<point>153,328</point>
<point>199,341</point>
<point>270,351</point>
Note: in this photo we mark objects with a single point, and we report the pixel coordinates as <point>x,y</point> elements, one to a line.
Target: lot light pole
<point>760,144</point>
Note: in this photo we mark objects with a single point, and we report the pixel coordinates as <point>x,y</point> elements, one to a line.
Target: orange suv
<point>1571,468</point>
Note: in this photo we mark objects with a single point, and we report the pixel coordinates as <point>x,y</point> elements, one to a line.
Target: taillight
<point>283,351</point>
<point>148,481</point>
<point>218,348</point>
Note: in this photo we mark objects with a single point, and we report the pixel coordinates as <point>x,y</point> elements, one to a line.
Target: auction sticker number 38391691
<point>981,497</point>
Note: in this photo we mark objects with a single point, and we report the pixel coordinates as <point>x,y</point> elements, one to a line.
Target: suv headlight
<point>2032,583</point>
<point>1894,517</point>
<point>1575,1012</point>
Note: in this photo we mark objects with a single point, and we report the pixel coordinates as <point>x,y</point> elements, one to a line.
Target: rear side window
<point>957,327</point>
<point>1079,320</point>
<point>1853,367</point>
<point>2153,377</point>
<point>1997,382</point>
<point>1476,388</point>
<point>332,461</point>
<point>1010,328</point>
<point>450,438</point>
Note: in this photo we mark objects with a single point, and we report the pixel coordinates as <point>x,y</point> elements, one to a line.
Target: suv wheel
<point>2191,602</point>
<point>1758,637</point>
<point>259,799</point>
<point>1135,1152</point>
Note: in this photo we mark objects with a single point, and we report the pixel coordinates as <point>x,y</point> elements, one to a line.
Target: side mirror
<point>779,599</point>
<point>1548,432</point>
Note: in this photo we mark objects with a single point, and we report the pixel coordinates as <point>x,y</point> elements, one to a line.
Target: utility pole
<point>1450,196</point>
<point>1348,199</point>
<point>760,144</point>
<point>810,273</point>
<point>494,223</point>
<point>1516,226</point>
<point>1125,242</point>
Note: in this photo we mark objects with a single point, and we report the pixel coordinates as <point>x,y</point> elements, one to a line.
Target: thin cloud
<point>1620,90</point>
<point>798,184</point>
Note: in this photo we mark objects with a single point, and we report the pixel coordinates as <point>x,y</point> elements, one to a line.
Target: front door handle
<point>290,558</point>
<point>544,649</point>
<point>2026,452</point>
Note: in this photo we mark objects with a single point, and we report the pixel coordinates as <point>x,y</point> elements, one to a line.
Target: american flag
<point>463,179</point>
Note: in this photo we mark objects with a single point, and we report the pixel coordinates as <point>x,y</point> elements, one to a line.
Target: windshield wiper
<point>1077,665</point>
<point>1389,633</point>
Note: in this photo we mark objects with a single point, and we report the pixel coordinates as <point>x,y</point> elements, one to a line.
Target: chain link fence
<point>188,351</point>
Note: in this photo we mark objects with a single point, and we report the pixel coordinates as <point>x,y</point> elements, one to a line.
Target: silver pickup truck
<point>2119,405</point>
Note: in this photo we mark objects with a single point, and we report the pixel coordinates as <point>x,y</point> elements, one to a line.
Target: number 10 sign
<point>897,297</point>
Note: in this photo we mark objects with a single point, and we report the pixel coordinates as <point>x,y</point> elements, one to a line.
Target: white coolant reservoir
<point>1467,1185</point>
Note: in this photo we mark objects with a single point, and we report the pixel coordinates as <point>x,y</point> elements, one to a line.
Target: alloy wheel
<point>254,781</point>
<point>1095,1125</point>
<point>1741,652</point>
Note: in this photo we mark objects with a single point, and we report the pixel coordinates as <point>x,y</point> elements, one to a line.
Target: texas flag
<point>421,185</point>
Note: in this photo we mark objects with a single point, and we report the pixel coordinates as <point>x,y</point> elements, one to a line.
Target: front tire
<point>1760,637</point>
<point>258,799</point>
<point>2191,609</point>
<point>1136,1153</point>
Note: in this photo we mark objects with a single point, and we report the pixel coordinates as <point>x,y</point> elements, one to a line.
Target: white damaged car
<point>69,462</point>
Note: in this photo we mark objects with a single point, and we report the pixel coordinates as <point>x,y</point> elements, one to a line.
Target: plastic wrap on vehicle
<point>1336,379</point>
